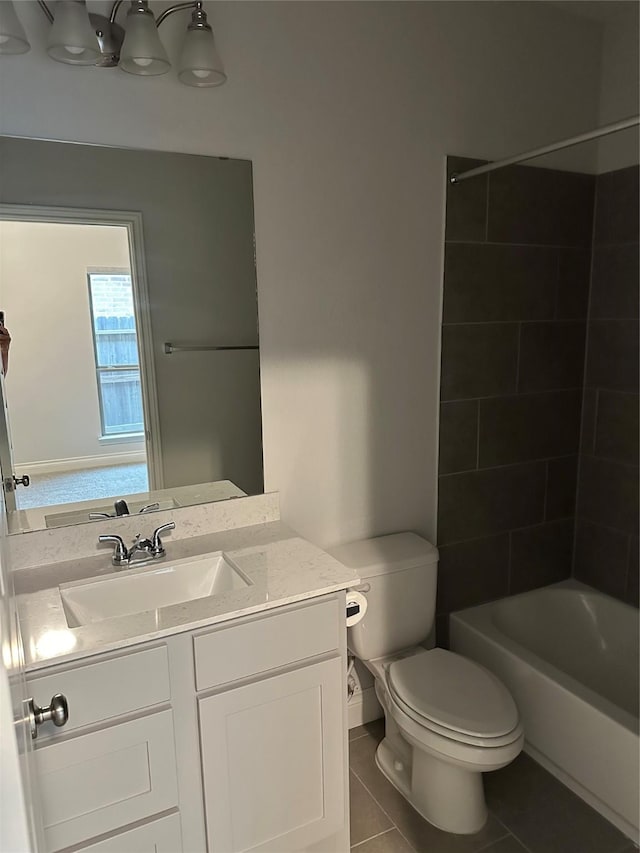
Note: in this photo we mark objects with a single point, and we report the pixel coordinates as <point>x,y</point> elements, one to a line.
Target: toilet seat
<point>451,734</point>
<point>454,697</point>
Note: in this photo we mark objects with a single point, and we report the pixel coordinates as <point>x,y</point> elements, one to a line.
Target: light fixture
<point>142,51</point>
<point>78,37</point>
<point>71,37</point>
<point>13,38</point>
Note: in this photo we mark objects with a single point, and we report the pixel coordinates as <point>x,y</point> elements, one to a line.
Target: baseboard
<point>364,708</point>
<point>79,463</point>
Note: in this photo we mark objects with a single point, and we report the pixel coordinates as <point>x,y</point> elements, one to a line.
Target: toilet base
<point>449,797</point>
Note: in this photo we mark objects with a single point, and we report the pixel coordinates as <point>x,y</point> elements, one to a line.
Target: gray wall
<point>516,285</point>
<point>606,552</point>
<point>198,235</point>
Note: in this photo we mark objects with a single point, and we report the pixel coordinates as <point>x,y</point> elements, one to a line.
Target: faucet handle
<point>158,549</point>
<point>150,507</point>
<point>120,552</point>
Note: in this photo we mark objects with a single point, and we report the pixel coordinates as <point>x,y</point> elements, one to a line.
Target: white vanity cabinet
<point>226,739</point>
<point>272,730</point>
<point>114,762</point>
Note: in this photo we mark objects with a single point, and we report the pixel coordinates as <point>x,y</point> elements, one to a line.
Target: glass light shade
<point>71,37</point>
<point>142,51</point>
<point>13,38</point>
<point>200,64</point>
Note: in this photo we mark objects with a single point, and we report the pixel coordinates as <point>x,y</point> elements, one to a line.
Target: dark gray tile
<point>473,572</point>
<point>551,356</point>
<point>390,842</point>
<point>616,217</point>
<point>589,414</point>
<point>533,426</point>
<point>542,206</point>
<point>618,426</point>
<point>478,360</point>
<point>508,844</point>
<point>614,287</point>
<point>484,283</point>
<point>466,217</point>
<point>540,555</point>
<point>574,275</point>
<point>566,825</point>
<point>358,731</point>
<point>561,487</point>
<point>481,503</point>
<point>632,592</point>
<point>458,436</point>
<point>608,494</point>
<point>367,818</point>
<point>522,786</point>
<point>601,556</point>
<point>612,355</point>
<point>420,834</point>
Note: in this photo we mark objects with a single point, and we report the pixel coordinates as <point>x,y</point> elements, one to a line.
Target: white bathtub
<point>569,655</point>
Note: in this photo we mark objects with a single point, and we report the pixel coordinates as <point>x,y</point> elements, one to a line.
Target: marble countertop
<point>282,567</point>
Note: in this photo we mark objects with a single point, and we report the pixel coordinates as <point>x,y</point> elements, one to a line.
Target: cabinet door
<point>273,761</point>
<point>159,836</point>
<point>102,780</point>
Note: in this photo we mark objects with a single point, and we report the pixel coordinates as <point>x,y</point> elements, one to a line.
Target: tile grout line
<point>395,826</point>
<point>555,313</point>
<point>527,462</point>
<point>478,436</point>
<point>486,210</point>
<point>517,389</point>
<point>371,837</point>
<point>383,810</point>
<point>507,834</point>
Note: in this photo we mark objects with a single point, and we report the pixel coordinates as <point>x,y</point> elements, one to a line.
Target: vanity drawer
<point>158,836</point>
<point>273,639</point>
<point>104,689</point>
<point>97,782</point>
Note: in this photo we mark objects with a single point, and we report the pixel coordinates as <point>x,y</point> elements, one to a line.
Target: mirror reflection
<point>128,289</point>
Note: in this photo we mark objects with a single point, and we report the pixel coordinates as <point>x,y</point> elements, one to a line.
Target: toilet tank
<point>400,571</point>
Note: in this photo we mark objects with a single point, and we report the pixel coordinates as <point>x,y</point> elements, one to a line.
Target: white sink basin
<point>149,587</point>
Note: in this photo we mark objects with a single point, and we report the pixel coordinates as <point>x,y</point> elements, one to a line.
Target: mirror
<point>128,286</point>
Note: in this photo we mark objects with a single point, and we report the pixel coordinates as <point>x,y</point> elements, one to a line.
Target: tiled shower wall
<point>606,549</point>
<point>517,268</point>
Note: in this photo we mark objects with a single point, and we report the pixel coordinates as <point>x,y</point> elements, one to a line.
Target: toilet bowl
<point>451,741</point>
<point>447,719</point>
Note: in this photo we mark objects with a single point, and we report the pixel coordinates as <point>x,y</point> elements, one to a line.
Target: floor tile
<point>367,818</point>
<point>422,836</point>
<point>522,786</point>
<point>358,731</point>
<point>565,824</point>
<point>508,844</point>
<point>388,842</point>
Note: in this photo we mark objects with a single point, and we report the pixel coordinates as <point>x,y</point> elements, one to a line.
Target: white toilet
<point>447,719</point>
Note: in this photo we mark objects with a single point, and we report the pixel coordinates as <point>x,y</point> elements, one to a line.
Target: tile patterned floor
<point>529,812</point>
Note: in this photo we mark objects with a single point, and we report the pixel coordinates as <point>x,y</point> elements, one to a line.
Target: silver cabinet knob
<point>57,712</point>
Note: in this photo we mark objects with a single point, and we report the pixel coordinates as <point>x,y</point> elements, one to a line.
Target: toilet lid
<point>454,692</point>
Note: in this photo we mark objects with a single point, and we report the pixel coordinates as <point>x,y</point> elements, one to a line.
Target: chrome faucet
<point>121,508</point>
<point>149,549</point>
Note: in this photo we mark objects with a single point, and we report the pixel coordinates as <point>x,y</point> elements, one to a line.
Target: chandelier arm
<point>47,11</point>
<point>176,8</point>
<point>114,11</point>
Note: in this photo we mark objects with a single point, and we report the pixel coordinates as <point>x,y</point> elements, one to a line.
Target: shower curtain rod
<point>617,126</point>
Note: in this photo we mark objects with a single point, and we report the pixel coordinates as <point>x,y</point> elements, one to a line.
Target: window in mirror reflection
<point>116,352</point>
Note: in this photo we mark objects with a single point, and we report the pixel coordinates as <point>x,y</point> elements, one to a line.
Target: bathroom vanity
<point>216,724</point>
